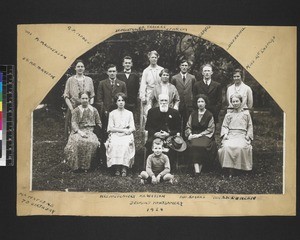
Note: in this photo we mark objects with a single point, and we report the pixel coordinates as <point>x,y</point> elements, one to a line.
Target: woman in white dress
<point>150,79</point>
<point>120,148</point>
<point>237,133</point>
<point>239,87</point>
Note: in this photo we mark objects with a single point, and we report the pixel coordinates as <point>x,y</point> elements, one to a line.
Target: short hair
<point>87,93</point>
<point>238,71</point>
<point>165,70</point>
<point>207,65</point>
<point>78,61</point>
<point>111,66</point>
<point>203,96</point>
<point>153,52</point>
<point>127,57</point>
<point>183,61</point>
<point>157,141</point>
<point>236,95</point>
<point>122,95</point>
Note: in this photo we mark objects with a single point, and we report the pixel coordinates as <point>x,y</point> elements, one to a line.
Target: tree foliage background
<point>51,173</point>
<point>172,47</point>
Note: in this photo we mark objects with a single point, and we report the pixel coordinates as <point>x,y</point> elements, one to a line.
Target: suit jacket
<point>214,94</point>
<point>105,94</point>
<point>132,85</point>
<point>185,90</point>
<point>172,92</point>
<point>157,120</point>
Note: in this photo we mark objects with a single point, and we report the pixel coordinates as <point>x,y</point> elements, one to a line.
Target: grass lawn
<point>51,173</point>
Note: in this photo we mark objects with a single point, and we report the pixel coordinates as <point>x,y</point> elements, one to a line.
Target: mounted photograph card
<point>156,120</point>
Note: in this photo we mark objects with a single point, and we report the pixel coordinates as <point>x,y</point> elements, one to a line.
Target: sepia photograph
<point>160,111</point>
<point>153,120</point>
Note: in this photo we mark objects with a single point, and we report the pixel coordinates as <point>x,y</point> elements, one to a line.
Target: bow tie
<point>128,72</point>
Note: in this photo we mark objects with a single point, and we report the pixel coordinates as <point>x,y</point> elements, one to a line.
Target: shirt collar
<point>82,109</point>
<point>183,74</point>
<point>128,72</point>
<point>208,81</point>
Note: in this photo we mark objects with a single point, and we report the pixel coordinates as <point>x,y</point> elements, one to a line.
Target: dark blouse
<point>206,125</point>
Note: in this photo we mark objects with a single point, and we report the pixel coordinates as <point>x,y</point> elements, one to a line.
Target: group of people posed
<point>177,116</point>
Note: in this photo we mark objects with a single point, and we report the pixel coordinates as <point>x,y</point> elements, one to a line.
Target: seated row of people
<point>236,134</point>
<point>162,123</point>
<point>183,91</point>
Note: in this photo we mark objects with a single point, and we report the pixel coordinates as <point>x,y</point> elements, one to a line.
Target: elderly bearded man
<point>162,122</point>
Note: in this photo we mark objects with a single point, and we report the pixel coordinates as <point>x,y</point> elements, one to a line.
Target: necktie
<point>183,78</point>
<point>206,85</point>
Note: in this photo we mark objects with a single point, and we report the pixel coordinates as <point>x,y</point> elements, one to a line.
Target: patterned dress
<point>236,152</point>
<point>204,149</point>
<point>72,90</point>
<point>81,151</point>
<point>120,148</point>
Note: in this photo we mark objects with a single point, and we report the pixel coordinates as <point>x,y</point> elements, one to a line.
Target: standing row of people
<point>119,124</point>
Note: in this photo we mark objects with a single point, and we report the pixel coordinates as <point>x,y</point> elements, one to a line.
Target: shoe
<point>142,181</point>
<point>196,174</point>
<point>124,172</point>
<point>117,173</point>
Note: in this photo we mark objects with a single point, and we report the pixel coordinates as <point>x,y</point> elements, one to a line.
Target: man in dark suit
<point>106,91</point>
<point>211,89</point>
<point>132,82</point>
<point>184,83</point>
<point>162,121</point>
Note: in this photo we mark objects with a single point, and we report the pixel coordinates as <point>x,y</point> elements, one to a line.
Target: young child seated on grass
<point>158,165</point>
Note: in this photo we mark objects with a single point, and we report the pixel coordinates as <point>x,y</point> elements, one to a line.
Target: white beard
<point>163,108</point>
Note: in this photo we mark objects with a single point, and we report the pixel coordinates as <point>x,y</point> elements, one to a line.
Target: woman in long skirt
<point>83,143</point>
<point>202,148</point>
<point>237,133</point>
